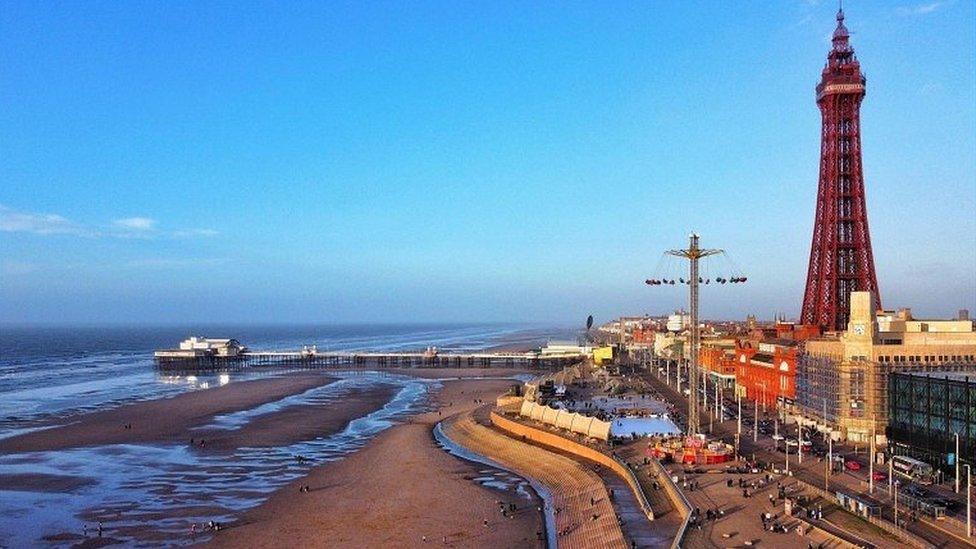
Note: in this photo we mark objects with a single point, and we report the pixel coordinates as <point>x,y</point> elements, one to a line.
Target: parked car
<point>852,465</point>
<point>879,476</point>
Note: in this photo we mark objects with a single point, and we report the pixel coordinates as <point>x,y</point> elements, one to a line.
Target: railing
<point>586,452</point>
<point>678,499</point>
<point>636,488</point>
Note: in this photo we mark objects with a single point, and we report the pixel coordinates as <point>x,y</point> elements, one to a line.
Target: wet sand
<point>162,420</point>
<point>302,422</point>
<point>399,488</point>
<point>40,482</point>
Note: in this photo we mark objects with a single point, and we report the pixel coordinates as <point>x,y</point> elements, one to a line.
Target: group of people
<point>697,519</point>
<point>508,510</point>
<point>99,529</point>
<point>769,523</point>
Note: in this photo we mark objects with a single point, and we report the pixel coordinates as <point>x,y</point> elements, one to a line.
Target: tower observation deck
<point>841,260</point>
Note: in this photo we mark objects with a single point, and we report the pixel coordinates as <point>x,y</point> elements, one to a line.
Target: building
<point>203,347</point>
<point>842,379</point>
<point>216,347</point>
<point>926,411</point>
<point>565,348</point>
<point>716,357</point>
<point>841,260</point>
<point>679,321</point>
<point>765,371</point>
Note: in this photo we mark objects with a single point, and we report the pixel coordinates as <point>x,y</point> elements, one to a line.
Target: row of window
<point>927,358</point>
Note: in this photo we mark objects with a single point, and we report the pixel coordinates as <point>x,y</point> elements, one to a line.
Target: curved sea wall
<point>520,430</point>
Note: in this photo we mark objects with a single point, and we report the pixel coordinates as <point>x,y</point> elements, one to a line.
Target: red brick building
<point>766,370</point>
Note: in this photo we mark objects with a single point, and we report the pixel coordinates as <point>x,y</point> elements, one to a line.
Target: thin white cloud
<point>920,9</point>
<point>189,233</point>
<point>137,227</point>
<point>174,263</point>
<point>16,268</point>
<point>46,224</point>
<point>136,223</point>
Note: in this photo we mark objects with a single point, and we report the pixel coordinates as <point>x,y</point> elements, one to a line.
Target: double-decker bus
<point>912,469</point>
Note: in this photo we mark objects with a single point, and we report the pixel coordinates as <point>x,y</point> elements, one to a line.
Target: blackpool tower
<point>841,261</point>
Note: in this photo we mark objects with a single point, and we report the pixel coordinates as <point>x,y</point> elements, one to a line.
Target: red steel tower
<point>841,261</point>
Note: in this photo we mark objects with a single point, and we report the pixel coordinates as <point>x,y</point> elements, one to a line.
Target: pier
<point>217,354</point>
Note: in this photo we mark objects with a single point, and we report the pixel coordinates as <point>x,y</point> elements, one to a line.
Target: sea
<point>49,373</point>
<point>53,371</point>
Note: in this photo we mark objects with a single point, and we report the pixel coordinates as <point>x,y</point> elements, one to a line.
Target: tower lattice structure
<point>841,260</point>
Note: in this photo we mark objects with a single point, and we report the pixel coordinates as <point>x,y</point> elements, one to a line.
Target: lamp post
<point>799,442</point>
<point>755,422</point>
<point>825,415</point>
<point>830,464</point>
<point>891,475</point>
<point>957,462</point>
<point>764,396</point>
<point>718,403</point>
<point>969,502</point>
<point>896,507</point>
<point>704,375</point>
<point>738,429</point>
<point>871,458</point>
<point>785,442</point>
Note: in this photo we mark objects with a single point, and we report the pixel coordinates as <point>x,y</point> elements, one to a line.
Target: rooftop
<point>969,376</point>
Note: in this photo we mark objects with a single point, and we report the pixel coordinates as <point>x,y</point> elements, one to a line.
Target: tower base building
<point>842,380</point>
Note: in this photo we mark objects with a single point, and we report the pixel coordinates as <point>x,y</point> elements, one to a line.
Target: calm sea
<point>52,371</point>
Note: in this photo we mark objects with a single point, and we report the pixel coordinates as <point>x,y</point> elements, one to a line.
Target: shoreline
<point>401,487</point>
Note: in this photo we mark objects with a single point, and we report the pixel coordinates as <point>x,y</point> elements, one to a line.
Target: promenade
<point>811,473</point>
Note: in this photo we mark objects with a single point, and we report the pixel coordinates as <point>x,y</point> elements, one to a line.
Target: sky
<point>494,161</point>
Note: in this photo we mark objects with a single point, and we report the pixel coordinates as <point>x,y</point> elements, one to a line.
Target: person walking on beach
<point>99,528</point>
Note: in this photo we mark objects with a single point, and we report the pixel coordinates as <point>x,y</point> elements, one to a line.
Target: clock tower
<point>862,326</point>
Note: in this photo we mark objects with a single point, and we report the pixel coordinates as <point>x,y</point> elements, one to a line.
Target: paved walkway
<point>572,485</point>
<point>726,430</point>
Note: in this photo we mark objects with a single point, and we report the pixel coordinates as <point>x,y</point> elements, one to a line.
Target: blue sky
<point>436,161</point>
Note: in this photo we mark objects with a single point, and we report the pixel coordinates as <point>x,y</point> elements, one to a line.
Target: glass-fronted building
<point>927,409</point>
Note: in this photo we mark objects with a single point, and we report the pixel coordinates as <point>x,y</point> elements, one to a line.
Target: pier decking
<point>179,360</point>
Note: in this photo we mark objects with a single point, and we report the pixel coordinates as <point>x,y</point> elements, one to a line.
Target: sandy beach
<point>161,420</point>
<point>397,490</point>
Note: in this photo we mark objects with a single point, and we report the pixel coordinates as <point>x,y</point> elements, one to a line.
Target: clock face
<point>859,329</point>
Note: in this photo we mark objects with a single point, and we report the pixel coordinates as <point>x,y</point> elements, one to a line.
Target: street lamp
<point>738,431</point>
<point>787,444</point>
<point>755,422</point>
<point>969,501</point>
<point>799,442</point>
<point>957,462</point>
<point>871,458</point>
<point>718,402</point>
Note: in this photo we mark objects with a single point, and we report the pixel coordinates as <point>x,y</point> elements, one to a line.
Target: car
<point>915,491</point>
<point>879,476</point>
<point>852,465</point>
<point>778,438</point>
